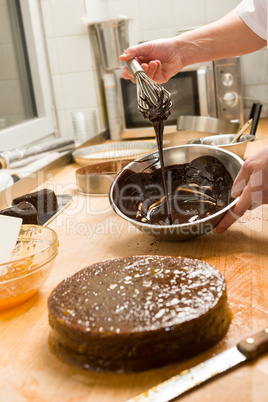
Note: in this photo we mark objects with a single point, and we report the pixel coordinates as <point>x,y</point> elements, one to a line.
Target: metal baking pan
<point>98,177</point>
<point>112,151</point>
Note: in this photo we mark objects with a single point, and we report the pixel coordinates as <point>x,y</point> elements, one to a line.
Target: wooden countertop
<point>89,231</point>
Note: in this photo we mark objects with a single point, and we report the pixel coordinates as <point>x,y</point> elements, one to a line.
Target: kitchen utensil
<point>255,115</point>
<point>246,350</point>
<point>112,151</point>
<point>224,141</point>
<point>31,263</point>
<point>98,177</point>
<point>7,158</point>
<point>172,156</point>
<point>149,93</point>
<point>206,124</point>
<point>110,38</point>
<point>241,131</point>
<point>9,230</point>
<point>111,98</point>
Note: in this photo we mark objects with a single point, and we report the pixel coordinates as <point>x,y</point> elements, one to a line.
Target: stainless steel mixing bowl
<point>224,141</point>
<point>172,156</point>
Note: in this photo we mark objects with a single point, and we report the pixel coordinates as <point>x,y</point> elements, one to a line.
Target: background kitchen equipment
<point>85,125</point>
<point>241,131</point>
<point>98,177</point>
<point>194,127</point>
<point>208,89</point>
<point>206,124</point>
<point>9,159</point>
<point>112,151</point>
<point>110,38</point>
<point>255,115</point>
<point>224,141</point>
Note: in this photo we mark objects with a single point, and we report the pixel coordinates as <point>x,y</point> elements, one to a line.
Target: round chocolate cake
<point>138,313</point>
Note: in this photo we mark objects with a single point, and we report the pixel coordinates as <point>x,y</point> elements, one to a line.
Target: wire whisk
<point>154,101</point>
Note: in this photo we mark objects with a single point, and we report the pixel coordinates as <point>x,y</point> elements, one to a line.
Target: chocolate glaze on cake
<point>24,210</point>
<point>138,313</point>
<point>43,200</point>
<point>196,190</point>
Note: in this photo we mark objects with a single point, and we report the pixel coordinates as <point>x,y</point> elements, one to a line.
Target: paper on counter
<point>9,231</point>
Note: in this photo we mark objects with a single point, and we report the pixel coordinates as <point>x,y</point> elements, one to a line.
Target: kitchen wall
<point>75,74</point>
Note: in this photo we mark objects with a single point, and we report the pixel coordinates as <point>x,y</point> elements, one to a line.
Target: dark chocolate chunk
<point>43,200</point>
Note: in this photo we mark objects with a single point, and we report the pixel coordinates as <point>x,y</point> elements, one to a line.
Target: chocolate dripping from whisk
<point>154,102</point>
<point>158,113</point>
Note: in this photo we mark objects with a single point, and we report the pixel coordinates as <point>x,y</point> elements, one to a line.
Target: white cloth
<point>254,15</point>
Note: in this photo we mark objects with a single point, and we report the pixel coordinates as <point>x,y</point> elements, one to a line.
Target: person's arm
<point>227,37</point>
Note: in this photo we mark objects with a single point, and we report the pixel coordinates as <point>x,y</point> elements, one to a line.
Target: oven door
<point>192,91</point>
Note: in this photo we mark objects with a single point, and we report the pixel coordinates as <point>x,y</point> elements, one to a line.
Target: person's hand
<point>251,184</point>
<point>159,59</point>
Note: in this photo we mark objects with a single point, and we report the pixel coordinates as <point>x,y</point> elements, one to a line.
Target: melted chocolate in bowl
<point>196,190</point>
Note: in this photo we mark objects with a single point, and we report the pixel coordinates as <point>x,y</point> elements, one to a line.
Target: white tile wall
<point>96,10</point>
<point>153,16</point>
<point>72,65</point>
<point>74,74</point>
<point>255,80</point>
<point>189,14</point>
<point>74,54</point>
<point>67,17</point>
<point>217,9</point>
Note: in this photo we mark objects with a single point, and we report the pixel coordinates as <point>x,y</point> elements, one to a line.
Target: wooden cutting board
<point>89,231</point>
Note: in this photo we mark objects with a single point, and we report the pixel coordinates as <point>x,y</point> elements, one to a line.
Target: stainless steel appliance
<point>207,89</point>
<point>109,39</point>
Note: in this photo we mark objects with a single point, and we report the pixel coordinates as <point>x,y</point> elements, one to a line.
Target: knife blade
<point>248,349</point>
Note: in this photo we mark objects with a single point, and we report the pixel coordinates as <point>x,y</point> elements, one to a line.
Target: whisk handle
<point>134,66</point>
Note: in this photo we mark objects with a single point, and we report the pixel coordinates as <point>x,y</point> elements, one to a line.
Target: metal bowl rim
<point>250,138</point>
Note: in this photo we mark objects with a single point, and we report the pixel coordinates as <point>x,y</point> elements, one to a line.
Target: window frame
<point>44,124</point>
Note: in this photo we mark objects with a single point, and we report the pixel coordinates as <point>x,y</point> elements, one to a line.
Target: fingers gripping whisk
<point>154,101</point>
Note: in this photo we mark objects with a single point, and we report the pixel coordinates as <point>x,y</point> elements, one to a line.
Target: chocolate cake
<point>43,200</point>
<point>24,210</point>
<point>137,313</point>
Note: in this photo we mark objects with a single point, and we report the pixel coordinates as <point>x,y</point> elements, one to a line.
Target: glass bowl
<point>31,262</point>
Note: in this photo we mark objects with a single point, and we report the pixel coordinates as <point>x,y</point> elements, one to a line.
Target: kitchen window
<point>26,106</point>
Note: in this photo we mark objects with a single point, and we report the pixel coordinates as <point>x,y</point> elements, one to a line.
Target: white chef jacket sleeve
<point>254,15</point>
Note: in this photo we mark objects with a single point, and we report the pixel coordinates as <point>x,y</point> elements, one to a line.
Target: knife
<point>248,349</point>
